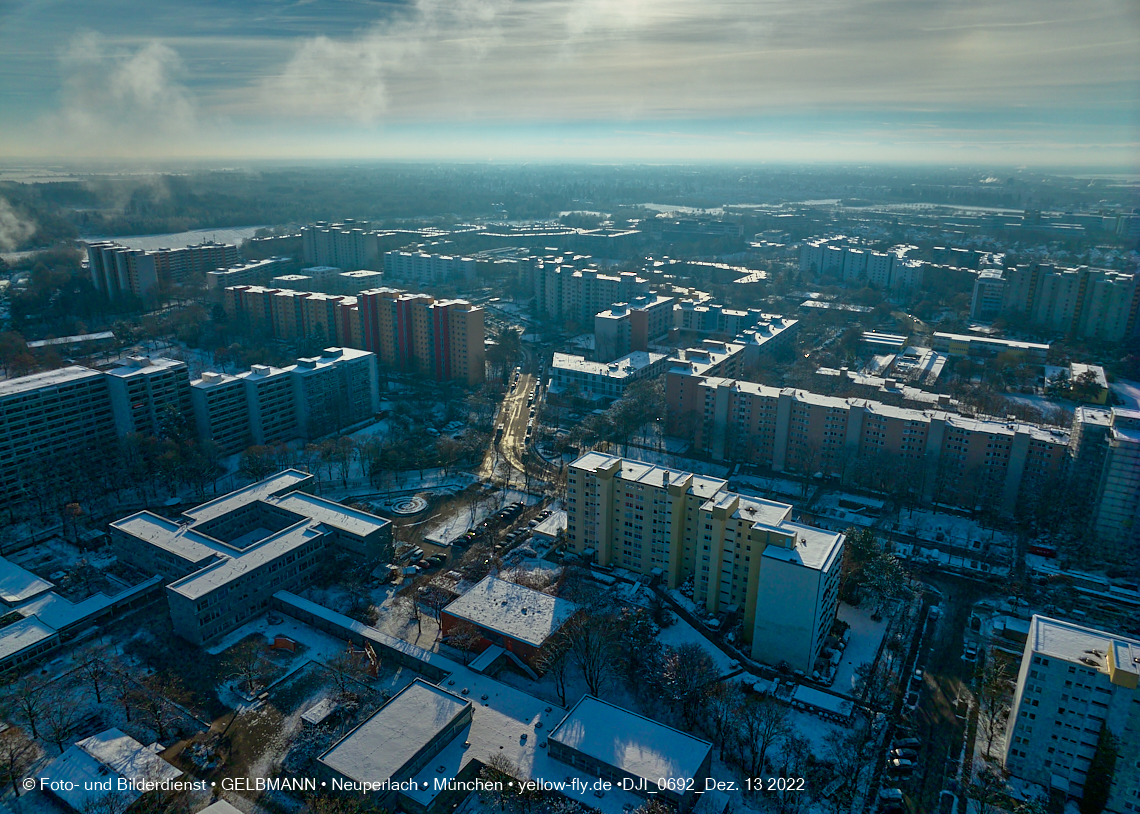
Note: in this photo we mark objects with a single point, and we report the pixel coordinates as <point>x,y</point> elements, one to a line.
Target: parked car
<point>890,794</point>
<point>907,743</point>
<point>912,699</point>
<point>905,754</point>
<point>918,674</point>
<point>900,765</point>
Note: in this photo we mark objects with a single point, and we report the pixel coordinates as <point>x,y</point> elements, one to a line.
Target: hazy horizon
<point>1036,83</point>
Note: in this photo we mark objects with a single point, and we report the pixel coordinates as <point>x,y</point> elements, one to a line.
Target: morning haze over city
<point>570,407</point>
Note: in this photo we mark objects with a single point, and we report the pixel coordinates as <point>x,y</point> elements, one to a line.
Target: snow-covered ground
<point>765,486</point>
<point>1127,391</point>
<point>927,525</point>
<point>681,632</point>
<point>866,635</point>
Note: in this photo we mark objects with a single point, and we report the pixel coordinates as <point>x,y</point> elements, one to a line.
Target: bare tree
<point>60,715</point>
<point>592,648</point>
<point>347,670</point>
<point>246,664</point>
<point>97,673</point>
<point>464,637</point>
<point>994,706</point>
<point>154,698</point>
<point>685,673</point>
<point>721,704</point>
<point>27,697</point>
<point>554,660</point>
<point>17,754</point>
<point>760,725</point>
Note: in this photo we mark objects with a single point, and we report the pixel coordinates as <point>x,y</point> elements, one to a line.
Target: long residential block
<point>743,554</point>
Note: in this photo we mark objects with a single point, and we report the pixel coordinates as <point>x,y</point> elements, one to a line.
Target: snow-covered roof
<point>515,611</point>
<point>220,573</point>
<point>182,541</point>
<point>551,525</point>
<point>18,584</point>
<point>331,513</point>
<point>815,548</point>
<point>1097,649</point>
<point>21,635</point>
<point>108,755</point>
<point>278,484</point>
<point>384,744</point>
<point>629,742</point>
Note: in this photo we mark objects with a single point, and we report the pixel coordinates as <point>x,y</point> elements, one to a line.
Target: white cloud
<point>118,99</point>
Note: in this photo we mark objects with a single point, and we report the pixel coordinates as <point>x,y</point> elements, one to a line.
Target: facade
<point>335,390</point>
<point>744,555</point>
<point>625,748</point>
<point>513,617</point>
<point>45,416</point>
<point>117,271</point>
<point>836,258</point>
<point>1084,302</point>
<point>443,339</point>
<point>227,558</point>
<point>348,245</point>
<point>147,394</point>
<point>628,327</point>
<point>599,380</point>
<point>182,264</point>
<point>221,411</point>
<point>428,268</point>
<point>256,272</point>
<point>270,404</point>
<point>563,292</point>
<point>686,368</point>
<point>984,347</point>
<point>1073,682</point>
<point>1118,492</point>
<point>950,459</point>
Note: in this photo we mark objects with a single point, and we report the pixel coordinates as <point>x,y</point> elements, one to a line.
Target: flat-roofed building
<point>257,272</point>
<point>618,745</point>
<point>1118,493</point>
<point>510,616</point>
<point>684,372</point>
<point>631,326</point>
<point>271,404</point>
<point>1073,682</point>
<point>228,557</point>
<point>117,271</point>
<point>221,412</point>
<point>576,375</point>
<point>658,521</point>
<point>147,393</point>
<point>986,346</point>
<point>953,459</point>
<point>46,416</point>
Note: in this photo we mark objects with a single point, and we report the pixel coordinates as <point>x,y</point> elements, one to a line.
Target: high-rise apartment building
<point>117,271</point>
<point>64,412</point>
<point>628,327</point>
<point>422,267</point>
<point>147,395</point>
<point>1073,682</point>
<point>1118,492</point>
<point>348,245</point>
<point>950,458</point>
<point>743,554</point>
<point>335,390</point>
<point>835,258</point>
<point>564,292</point>
<point>221,413</point>
<point>256,272</point>
<point>1089,303</point>
<point>443,339</point>
<point>270,404</point>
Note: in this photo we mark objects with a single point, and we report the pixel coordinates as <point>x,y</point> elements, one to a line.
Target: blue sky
<point>1015,82</point>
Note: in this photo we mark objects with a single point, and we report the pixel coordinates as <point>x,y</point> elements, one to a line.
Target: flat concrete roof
<point>630,742</point>
<point>19,584</point>
<point>1083,645</point>
<point>49,378</point>
<point>515,611</point>
<point>23,634</point>
<point>227,570</point>
<point>282,482</point>
<point>815,548</point>
<point>330,513</point>
<point>381,746</point>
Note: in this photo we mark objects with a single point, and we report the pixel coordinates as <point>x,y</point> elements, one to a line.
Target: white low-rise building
<point>603,380</point>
